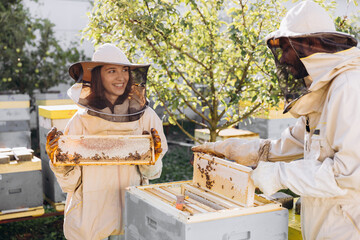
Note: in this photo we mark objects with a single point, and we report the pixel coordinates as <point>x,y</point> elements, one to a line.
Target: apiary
<point>218,203</point>
<point>15,121</point>
<point>20,182</point>
<point>104,150</point>
<point>52,116</point>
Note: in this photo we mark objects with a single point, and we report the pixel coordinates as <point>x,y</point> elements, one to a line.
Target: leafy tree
<point>207,56</point>
<point>31,57</point>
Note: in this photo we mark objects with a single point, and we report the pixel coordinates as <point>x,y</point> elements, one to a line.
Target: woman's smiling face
<point>114,79</point>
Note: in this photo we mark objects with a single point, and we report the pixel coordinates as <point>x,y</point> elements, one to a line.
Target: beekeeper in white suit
<point>319,74</point>
<point>110,92</point>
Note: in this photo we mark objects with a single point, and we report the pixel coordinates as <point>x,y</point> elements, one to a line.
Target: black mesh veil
<point>293,78</point>
<point>132,108</point>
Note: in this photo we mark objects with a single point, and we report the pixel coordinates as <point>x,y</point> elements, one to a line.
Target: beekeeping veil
<point>135,104</point>
<point>306,30</point>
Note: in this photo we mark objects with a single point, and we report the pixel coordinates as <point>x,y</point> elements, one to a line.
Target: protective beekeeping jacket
<point>95,194</point>
<point>319,157</point>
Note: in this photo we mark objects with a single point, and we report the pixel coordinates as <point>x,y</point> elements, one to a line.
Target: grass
<point>49,228</point>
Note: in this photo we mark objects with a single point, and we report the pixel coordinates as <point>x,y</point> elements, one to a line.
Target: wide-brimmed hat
<point>305,19</point>
<point>105,54</point>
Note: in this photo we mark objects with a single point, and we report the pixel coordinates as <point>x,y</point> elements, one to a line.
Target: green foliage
<point>207,56</point>
<point>31,57</point>
<point>176,165</point>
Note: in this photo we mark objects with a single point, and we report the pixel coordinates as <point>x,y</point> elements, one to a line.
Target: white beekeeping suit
<point>321,88</point>
<point>96,194</point>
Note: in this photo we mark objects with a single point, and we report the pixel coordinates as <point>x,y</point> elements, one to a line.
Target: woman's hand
<point>52,139</point>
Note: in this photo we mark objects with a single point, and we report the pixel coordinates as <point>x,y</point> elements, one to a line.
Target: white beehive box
<point>15,121</point>
<point>105,150</point>
<point>219,203</point>
<point>52,116</point>
<point>20,185</point>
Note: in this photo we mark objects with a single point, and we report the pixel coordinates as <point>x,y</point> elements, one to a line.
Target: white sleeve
<point>290,146</point>
<point>335,175</point>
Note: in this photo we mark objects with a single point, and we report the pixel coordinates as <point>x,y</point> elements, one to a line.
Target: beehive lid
<point>58,111</point>
<point>224,178</point>
<point>104,150</point>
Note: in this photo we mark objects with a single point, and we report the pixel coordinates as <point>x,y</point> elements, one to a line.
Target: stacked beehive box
<point>48,99</point>
<point>204,134</point>
<point>219,203</point>
<point>20,184</point>
<point>15,121</point>
<point>269,123</point>
<point>52,116</point>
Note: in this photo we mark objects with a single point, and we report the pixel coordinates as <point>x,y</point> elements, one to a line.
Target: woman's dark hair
<point>97,94</point>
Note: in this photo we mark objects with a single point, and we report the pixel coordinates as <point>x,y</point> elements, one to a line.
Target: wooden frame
<point>231,196</point>
<point>119,150</point>
<point>206,206</point>
<point>224,178</point>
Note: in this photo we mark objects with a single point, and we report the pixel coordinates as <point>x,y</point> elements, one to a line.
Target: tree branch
<point>226,125</point>
<point>175,120</point>
<point>192,88</point>
<point>176,87</point>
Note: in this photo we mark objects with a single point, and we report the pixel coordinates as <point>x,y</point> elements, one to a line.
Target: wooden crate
<point>105,150</point>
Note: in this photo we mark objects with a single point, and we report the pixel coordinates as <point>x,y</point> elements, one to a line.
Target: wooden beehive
<point>223,178</point>
<point>105,150</point>
<point>218,203</point>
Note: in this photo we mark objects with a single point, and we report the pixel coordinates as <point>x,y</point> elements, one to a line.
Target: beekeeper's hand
<point>157,142</point>
<point>52,139</point>
<point>243,151</point>
<point>266,177</point>
<point>208,148</point>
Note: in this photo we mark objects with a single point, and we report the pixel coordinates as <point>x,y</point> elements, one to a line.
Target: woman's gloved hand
<point>52,139</point>
<point>157,142</point>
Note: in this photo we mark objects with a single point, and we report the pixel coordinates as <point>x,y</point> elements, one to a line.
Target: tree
<point>31,57</point>
<point>207,56</point>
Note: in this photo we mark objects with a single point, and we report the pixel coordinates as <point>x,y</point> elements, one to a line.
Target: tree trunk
<point>213,135</point>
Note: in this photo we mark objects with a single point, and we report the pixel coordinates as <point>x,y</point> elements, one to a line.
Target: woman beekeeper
<point>111,93</point>
<point>319,75</point>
